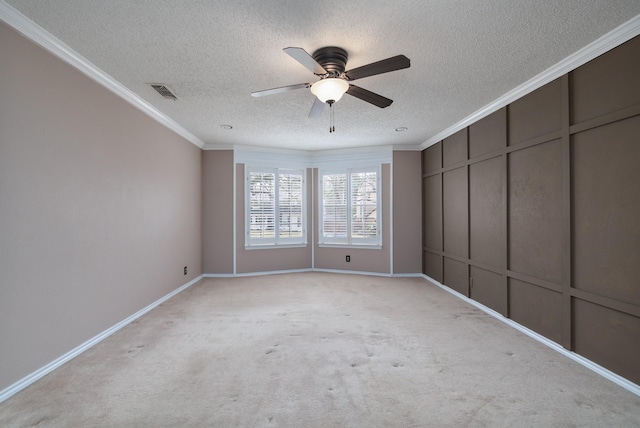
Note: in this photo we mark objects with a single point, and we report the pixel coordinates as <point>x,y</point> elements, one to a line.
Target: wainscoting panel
<point>535,211</point>
<point>537,308</point>
<point>456,275</point>
<point>538,217</point>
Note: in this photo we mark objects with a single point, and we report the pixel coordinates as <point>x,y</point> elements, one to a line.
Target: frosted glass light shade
<point>330,89</point>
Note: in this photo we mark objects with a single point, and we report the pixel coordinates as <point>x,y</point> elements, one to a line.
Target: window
<point>276,201</point>
<point>350,210</point>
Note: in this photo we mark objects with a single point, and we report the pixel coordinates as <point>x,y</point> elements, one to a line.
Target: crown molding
<point>40,36</point>
<point>612,39</point>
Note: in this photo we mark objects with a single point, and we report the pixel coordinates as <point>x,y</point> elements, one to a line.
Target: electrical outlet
<point>185,270</point>
<point>348,258</point>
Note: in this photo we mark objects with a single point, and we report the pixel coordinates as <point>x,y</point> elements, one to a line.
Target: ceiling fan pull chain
<point>332,128</point>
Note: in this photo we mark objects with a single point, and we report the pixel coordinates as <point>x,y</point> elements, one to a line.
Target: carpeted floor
<point>320,350</point>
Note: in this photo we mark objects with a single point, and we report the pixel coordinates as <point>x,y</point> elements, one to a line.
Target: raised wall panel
<point>537,308</point>
<point>606,204</point>
<point>486,212</point>
<point>454,148</point>
<point>432,158</point>
<point>432,265</point>
<point>432,230</point>
<point>488,134</point>
<point>456,229</point>
<point>607,83</point>
<point>536,114</point>
<point>608,337</point>
<point>535,211</point>
<point>488,288</point>
<point>552,210</point>
<point>456,276</point>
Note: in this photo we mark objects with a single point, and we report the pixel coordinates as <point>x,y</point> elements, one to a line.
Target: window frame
<point>276,241</point>
<point>349,240</point>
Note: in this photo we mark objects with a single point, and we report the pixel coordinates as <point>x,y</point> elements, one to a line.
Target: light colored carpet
<point>320,350</point>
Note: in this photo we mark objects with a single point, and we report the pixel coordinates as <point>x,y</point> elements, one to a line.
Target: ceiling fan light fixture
<point>330,89</point>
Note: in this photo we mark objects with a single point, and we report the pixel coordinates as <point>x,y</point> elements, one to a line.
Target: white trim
<point>352,158</point>
<point>612,39</point>
<point>272,158</point>
<point>285,271</point>
<point>615,378</point>
<point>31,378</point>
<point>274,246</point>
<point>407,275</point>
<point>349,246</point>
<point>235,211</point>
<point>39,35</point>
<point>390,216</point>
<point>218,275</point>
<point>271,272</point>
<point>342,158</point>
<point>311,228</point>
<point>353,272</point>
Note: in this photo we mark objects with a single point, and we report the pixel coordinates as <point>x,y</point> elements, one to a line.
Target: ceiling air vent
<point>164,91</point>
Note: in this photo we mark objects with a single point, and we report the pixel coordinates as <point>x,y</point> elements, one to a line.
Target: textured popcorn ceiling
<point>213,54</point>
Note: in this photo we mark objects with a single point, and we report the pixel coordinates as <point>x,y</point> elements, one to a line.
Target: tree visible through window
<point>350,209</point>
<point>275,213</point>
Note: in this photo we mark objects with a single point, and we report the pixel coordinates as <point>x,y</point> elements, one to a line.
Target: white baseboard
<point>352,272</point>
<point>38,374</point>
<point>275,272</point>
<point>407,275</point>
<point>615,378</point>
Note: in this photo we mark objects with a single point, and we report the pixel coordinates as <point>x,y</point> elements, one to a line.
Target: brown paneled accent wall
<point>534,210</point>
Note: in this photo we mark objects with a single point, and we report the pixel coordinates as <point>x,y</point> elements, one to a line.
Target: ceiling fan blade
<point>394,63</point>
<point>280,89</point>
<point>316,109</point>
<point>368,96</point>
<point>305,59</point>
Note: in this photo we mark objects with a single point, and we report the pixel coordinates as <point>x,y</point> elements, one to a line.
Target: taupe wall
<point>217,211</point>
<point>534,210</point>
<point>273,259</point>
<point>100,208</point>
<point>407,215</point>
<point>218,231</point>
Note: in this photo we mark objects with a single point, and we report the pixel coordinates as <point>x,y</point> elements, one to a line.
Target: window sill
<point>357,246</point>
<point>272,246</point>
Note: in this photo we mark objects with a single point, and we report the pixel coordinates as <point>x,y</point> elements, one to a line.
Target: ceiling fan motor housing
<point>332,58</point>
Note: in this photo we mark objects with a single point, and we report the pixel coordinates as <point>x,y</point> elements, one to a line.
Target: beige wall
<point>217,211</point>
<point>407,212</point>
<point>273,259</point>
<point>100,208</point>
<point>362,260</point>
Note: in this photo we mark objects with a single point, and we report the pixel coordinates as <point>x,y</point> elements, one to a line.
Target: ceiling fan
<point>329,65</point>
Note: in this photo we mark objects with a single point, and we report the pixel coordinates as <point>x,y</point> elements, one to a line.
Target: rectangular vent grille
<point>164,91</point>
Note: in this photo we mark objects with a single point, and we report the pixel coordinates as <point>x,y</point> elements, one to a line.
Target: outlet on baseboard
<point>185,270</point>
<point>348,259</point>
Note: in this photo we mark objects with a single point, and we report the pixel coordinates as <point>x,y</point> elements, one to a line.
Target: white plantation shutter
<point>275,207</point>
<point>262,207</point>
<point>334,206</point>
<point>364,198</point>
<point>350,210</point>
<point>290,205</point>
